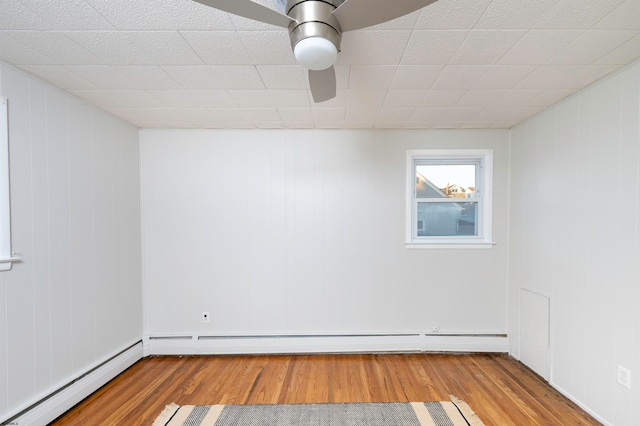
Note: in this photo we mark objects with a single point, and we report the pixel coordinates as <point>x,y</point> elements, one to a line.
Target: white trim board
<point>579,404</point>
<point>238,345</point>
<point>61,400</point>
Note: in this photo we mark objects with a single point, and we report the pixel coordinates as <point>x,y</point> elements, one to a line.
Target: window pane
<point>447,219</point>
<point>446,181</point>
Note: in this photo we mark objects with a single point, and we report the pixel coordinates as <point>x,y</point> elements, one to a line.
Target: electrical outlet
<point>435,328</point>
<point>624,377</point>
<point>206,317</point>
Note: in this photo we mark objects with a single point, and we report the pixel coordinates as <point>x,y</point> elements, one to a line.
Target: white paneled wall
<point>302,232</point>
<point>575,193</point>
<point>75,298</point>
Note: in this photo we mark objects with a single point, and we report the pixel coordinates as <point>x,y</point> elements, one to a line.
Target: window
<point>449,198</point>
<point>5,212</point>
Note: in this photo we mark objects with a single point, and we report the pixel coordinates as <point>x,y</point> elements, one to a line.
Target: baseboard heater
<point>49,406</point>
<point>347,343</point>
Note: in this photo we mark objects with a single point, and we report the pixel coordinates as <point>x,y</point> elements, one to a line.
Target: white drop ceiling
<point>454,64</point>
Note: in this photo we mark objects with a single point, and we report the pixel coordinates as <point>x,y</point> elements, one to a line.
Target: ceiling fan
<point>316,27</point>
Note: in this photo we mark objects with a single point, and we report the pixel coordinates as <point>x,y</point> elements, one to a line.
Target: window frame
<point>7,257</point>
<point>484,198</point>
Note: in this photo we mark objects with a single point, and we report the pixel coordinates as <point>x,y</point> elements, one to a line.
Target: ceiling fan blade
<point>250,9</point>
<point>323,84</point>
<point>356,14</point>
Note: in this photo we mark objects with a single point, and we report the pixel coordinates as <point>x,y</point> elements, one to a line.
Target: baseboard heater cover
<point>353,343</point>
<point>55,403</point>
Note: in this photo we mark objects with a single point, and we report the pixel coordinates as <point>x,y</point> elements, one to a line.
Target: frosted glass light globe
<point>315,53</point>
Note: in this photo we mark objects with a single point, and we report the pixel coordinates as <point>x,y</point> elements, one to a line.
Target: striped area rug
<point>443,413</point>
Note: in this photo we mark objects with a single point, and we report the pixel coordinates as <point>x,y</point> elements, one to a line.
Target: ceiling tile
<point>486,46</point>
<point>426,124</point>
<point>124,77</point>
<point>373,47</point>
<point>514,14</point>
<point>161,15</point>
<point>216,77</point>
<point>416,76</point>
<point>217,47</point>
<point>54,48</point>
<point>17,53</point>
<point>68,15</point>
<point>283,76</point>
<point>460,114</point>
<point>460,76</point>
<point>364,77</point>
<point>451,15</point>
<point>518,97</point>
<point>261,114</point>
<point>441,98</point>
<point>550,97</point>
<point>538,46</point>
<point>60,77</point>
<point>428,114</point>
<point>432,47</point>
<point>328,116</point>
<point>389,125</point>
<point>15,16</point>
<point>625,17</point>
<point>507,114</point>
<point>362,115</point>
<point>99,98</point>
<point>550,77</point>
<point>589,75</point>
<point>146,77</point>
<point>504,76</point>
<point>268,47</point>
<point>296,114</point>
<point>394,114</point>
<point>112,47</point>
<point>137,98</point>
<point>591,46</point>
<point>622,55</point>
<point>132,115</point>
<point>229,114</point>
<point>290,98</point>
<point>403,98</point>
<point>103,76</point>
<point>184,117</point>
<point>164,47</point>
<point>251,98</point>
<point>195,98</point>
<point>576,13</point>
<point>363,98</point>
<point>479,98</point>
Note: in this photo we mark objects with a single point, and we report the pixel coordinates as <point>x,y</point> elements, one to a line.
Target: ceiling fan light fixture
<point>315,53</point>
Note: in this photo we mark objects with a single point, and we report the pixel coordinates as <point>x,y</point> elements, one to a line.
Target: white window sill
<point>5,264</point>
<point>460,245</point>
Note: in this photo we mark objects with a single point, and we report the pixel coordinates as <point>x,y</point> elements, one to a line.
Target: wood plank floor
<point>499,389</point>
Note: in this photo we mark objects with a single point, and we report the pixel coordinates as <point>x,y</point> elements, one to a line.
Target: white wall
<point>574,237</point>
<point>75,298</point>
<point>302,232</point>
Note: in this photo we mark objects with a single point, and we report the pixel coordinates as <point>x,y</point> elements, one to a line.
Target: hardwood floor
<point>499,389</point>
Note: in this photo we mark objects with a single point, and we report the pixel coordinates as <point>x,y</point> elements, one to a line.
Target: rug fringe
<point>466,411</point>
<point>166,414</point>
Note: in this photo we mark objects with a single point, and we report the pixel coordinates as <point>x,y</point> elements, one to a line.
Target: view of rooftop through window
<point>452,180</point>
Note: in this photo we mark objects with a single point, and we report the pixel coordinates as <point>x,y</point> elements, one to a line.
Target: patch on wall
<point>534,331</point>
